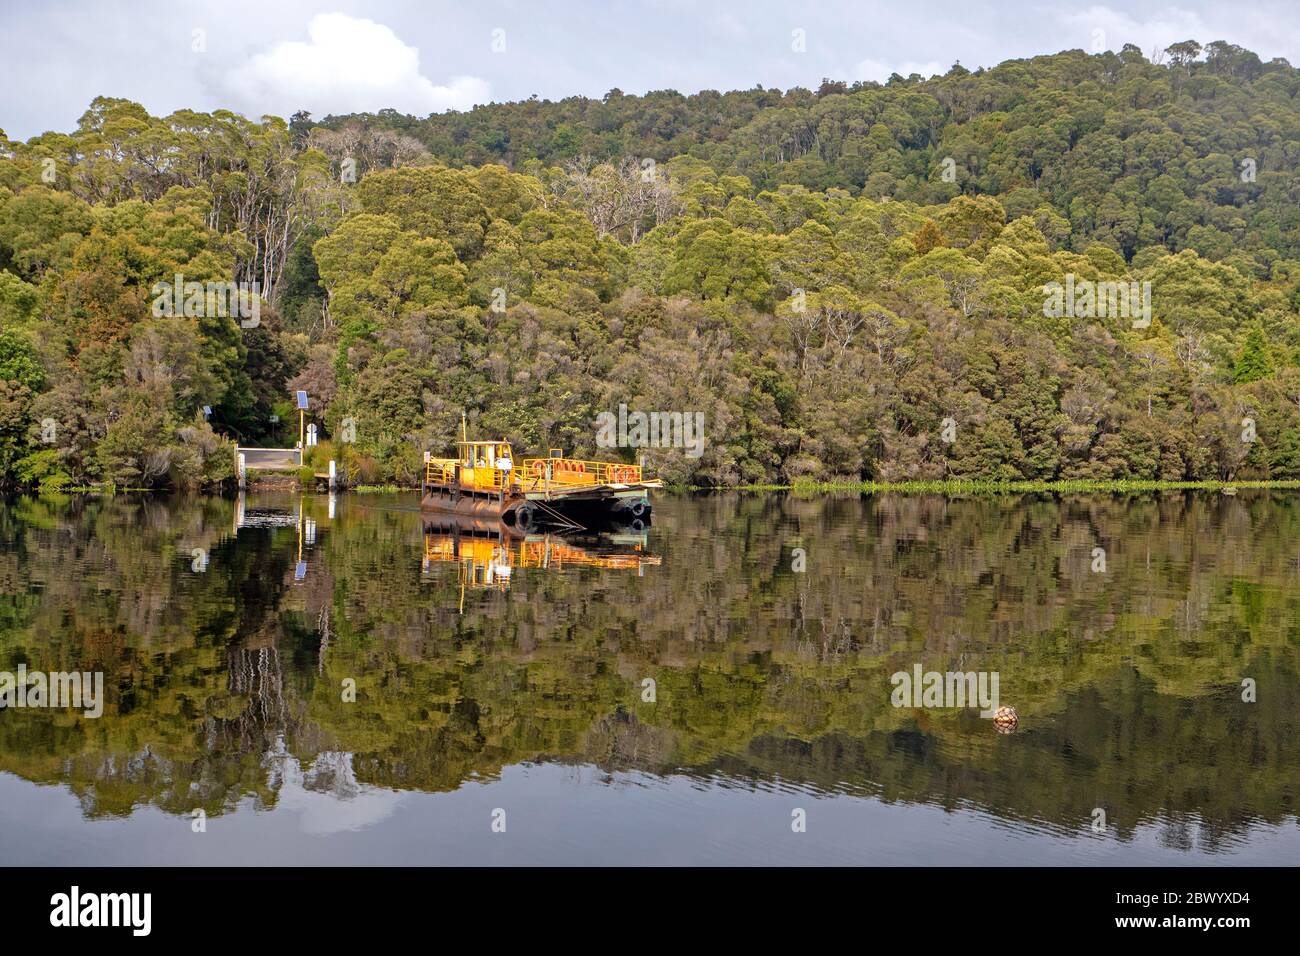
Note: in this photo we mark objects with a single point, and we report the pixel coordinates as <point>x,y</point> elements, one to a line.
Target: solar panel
<point>302,399</point>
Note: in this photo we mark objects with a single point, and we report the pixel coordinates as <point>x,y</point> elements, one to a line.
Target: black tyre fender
<point>525,517</point>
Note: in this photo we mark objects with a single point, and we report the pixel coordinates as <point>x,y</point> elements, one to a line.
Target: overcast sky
<point>276,56</point>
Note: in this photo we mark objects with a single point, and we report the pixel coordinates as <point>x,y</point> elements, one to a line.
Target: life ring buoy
<point>539,468</point>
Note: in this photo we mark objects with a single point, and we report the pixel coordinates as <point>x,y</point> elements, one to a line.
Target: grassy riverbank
<point>1013,487</point>
<point>821,487</point>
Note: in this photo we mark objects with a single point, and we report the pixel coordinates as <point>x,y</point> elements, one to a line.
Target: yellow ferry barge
<point>485,481</point>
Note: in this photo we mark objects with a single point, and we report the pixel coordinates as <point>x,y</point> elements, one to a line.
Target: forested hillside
<point>848,283</point>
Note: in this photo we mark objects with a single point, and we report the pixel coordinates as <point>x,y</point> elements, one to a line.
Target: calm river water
<point>343,683</point>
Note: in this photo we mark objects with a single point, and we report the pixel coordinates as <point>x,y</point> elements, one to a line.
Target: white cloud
<point>347,65</point>
<point>1100,26</point>
<point>729,26</point>
<point>880,70</point>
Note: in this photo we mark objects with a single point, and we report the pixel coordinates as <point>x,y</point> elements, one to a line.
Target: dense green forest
<point>847,282</point>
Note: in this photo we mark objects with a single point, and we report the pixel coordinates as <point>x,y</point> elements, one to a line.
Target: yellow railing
<point>534,472</point>
<point>439,470</point>
<point>574,471</point>
<point>443,471</point>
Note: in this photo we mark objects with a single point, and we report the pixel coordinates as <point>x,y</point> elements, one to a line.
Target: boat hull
<point>468,504</point>
<point>525,509</point>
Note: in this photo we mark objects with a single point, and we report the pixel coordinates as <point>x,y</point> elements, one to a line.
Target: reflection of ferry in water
<point>488,551</point>
<point>484,481</point>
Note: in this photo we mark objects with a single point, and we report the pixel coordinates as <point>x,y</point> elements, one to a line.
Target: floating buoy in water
<point>1006,719</point>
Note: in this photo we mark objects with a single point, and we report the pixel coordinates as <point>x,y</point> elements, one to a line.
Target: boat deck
<point>541,479</point>
<point>484,481</point>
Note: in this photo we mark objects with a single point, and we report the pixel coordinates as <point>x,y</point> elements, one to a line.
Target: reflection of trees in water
<point>330,772</point>
<point>1184,768</point>
<point>833,642</point>
<point>619,741</point>
<point>1125,681</point>
<point>323,620</point>
<point>254,675</point>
